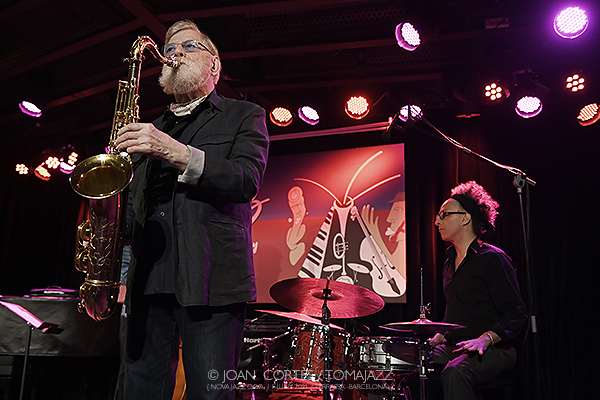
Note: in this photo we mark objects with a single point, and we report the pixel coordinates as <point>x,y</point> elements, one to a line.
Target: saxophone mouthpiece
<point>173,63</point>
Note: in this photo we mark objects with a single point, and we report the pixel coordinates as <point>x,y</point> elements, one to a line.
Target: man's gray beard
<point>182,80</point>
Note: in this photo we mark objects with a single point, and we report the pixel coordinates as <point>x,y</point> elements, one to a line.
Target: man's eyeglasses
<point>443,214</point>
<point>189,46</point>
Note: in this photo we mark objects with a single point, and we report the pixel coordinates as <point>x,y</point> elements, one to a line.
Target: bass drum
<point>307,352</point>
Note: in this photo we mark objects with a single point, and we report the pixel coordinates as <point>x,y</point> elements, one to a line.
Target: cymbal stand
<point>327,358</point>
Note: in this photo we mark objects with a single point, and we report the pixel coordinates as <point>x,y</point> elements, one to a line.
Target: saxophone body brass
<point>103,179</point>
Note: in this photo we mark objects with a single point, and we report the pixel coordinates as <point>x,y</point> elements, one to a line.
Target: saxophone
<point>103,179</point>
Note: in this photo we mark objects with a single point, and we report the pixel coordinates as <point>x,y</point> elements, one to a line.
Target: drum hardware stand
<point>267,354</point>
<point>399,388</point>
<point>327,358</point>
<point>33,323</point>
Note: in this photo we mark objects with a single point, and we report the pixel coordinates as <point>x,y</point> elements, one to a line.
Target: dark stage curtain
<point>38,222</point>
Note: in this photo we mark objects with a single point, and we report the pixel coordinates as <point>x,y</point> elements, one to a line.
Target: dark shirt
<point>162,182</point>
<point>483,294</point>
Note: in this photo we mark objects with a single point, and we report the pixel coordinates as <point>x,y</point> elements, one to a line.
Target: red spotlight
<point>494,91</point>
<point>22,169</point>
<point>72,158</point>
<point>589,114</point>
<point>281,116</point>
<point>52,162</point>
<point>357,107</point>
<point>575,83</point>
<point>42,173</point>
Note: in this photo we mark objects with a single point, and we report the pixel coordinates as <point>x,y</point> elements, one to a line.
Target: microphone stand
<point>520,181</point>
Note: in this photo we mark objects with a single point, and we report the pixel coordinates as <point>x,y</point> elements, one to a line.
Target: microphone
<point>393,125</point>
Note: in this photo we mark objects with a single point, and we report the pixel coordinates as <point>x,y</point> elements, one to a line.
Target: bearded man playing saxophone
<point>198,167</point>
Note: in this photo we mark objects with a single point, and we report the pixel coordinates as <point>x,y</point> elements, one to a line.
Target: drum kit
<point>327,359</point>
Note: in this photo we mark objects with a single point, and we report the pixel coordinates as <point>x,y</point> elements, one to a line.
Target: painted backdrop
<point>334,215</point>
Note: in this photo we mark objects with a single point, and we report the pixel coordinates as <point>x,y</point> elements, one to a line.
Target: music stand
<point>34,323</point>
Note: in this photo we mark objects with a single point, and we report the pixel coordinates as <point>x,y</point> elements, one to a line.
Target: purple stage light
<point>30,109</point>
<point>308,115</point>
<point>407,36</point>
<point>528,106</point>
<point>416,113</point>
<point>571,23</point>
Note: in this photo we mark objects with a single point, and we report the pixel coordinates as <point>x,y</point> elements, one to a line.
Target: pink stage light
<point>571,23</point>
<point>30,109</point>
<point>416,113</point>
<point>308,115</point>
<point>528,106</point>
<point>407,36</point>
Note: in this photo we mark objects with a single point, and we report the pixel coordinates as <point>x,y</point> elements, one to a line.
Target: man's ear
<point>216,65</point>
<point>466,219</point>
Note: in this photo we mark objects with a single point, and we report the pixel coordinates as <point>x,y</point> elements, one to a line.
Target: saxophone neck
<point>144,42</point>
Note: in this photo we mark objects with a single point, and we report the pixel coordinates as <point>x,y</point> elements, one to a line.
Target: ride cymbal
<point>307,295</point>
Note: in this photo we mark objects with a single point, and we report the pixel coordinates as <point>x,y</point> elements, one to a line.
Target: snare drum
<point>307,351</point>
<point>382,353</point>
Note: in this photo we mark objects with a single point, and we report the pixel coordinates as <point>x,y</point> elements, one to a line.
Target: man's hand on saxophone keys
<point>147,139</point>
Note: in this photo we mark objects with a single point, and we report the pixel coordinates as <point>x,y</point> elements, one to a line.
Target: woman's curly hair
<point>485,217</point>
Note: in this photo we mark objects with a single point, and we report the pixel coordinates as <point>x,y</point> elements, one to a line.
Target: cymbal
<point>306,295</point>
<point>422,326</point>
<point>299,317</point>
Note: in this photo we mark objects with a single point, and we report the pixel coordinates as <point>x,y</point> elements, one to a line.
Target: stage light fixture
<point>281,116</point>
<point>22,169</point>
<point>42,173</point>
<point>308,115</point>
<point>416,113</point>
<point>52,162</point>
<point>589,114</point>
<point>575,83</point>
<point>529,93</point>
<point>357,107</point>
<point>529,106</point>
<point>30,109</point>
<point>495,92</point>
<point>407,36</point>
<point>72,159</point>
<point>66,167</point>
<point>571,23</point>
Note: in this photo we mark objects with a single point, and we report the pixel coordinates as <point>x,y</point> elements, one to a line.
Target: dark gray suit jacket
<point>211,223</point>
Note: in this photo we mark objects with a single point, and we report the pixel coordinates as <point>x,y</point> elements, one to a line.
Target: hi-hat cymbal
<point>306,296</point>
<point>299,317</point>
<point>422,326</point>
